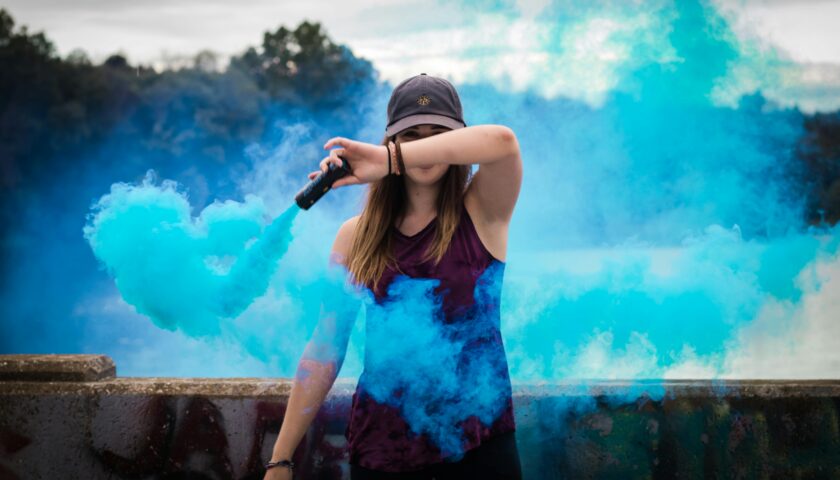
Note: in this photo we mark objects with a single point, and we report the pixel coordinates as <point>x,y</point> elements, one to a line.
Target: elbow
<point>326,351</point>
<point>321,372</point>
<point>509,141</point>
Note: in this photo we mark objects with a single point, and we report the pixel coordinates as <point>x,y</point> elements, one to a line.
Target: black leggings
<point>496,458</point>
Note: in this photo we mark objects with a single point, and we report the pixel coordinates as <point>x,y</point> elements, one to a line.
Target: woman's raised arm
<point>494,148</point>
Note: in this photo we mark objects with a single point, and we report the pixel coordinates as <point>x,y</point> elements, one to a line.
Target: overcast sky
<point>404,37</point>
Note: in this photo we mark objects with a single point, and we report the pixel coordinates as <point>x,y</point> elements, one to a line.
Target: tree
<point>78,57</point>
<point>304,67</point>
<point>6,26</point>
<point>116,61</point>
<point>206,61</point>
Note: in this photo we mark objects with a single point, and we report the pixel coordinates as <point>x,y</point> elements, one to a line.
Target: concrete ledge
<point>56,368</point>
<point>271,388</point>
<point>255,387</point>
<point>220,428</point>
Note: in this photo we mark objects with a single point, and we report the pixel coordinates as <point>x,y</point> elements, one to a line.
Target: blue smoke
<point>655,225</point>
<point>437,373</point>
<point>659,233</point>
<point>180,273</point>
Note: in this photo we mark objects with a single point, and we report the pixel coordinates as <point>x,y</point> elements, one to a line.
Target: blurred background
<point>679,201</point>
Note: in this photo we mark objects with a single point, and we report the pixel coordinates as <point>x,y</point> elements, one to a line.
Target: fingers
<point>341,182</point>
<point>335,153</point>
<point>333,158</point>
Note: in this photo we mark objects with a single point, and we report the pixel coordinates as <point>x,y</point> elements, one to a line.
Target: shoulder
<point>344,240</point>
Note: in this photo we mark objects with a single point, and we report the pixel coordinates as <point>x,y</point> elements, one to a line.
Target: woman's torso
<point>435,382</point>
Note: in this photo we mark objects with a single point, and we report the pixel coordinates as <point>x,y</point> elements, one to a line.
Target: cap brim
<point>420,119</point>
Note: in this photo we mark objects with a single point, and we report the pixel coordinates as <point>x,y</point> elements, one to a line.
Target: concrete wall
<point>70,417</point>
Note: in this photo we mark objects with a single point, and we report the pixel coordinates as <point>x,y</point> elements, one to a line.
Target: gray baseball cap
<point>424,99</point>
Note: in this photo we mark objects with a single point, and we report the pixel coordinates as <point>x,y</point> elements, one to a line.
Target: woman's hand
<point>278,473</point>
<point>368,162</point>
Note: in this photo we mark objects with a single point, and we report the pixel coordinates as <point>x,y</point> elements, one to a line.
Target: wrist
<point>280,454</point>
<point>280,464</point>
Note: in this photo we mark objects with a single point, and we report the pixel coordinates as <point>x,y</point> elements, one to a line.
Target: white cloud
<point>805,30</point>
<point>794,340</point>
<point>792,54</point>
<point>581,57</point>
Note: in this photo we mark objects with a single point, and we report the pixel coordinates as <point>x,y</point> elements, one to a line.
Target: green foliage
<point>54,109</point>
<point>303,67</point>
<point>6,26</point>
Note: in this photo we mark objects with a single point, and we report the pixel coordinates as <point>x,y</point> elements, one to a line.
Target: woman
<point>424,217</point>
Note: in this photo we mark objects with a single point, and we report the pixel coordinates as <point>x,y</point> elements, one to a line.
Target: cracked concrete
<point>68,416</point>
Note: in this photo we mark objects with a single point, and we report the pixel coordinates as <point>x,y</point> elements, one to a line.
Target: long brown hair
<point>372,248</point>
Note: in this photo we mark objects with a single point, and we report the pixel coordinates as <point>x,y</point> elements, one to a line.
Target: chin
<point>428,176</point>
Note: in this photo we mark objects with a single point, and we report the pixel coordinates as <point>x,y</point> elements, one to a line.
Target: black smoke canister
<point>314,190</point>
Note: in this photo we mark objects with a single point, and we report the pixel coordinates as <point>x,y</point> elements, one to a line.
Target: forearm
<point>313,381</point>
<point>478,144</point>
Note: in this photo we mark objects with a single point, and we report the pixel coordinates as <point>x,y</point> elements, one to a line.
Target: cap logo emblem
<point>423,100</point>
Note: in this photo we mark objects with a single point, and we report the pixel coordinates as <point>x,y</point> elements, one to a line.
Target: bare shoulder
<point>344,240</point>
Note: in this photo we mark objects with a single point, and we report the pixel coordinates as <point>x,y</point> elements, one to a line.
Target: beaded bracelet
<point>281,463</point>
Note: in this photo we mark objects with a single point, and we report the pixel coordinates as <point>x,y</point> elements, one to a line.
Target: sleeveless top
<point>460,394</point>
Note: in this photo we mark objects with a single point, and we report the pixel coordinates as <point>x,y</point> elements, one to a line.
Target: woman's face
<point>429,175</point>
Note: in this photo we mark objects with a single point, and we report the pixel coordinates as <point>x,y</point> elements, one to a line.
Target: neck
<point>421,200</point>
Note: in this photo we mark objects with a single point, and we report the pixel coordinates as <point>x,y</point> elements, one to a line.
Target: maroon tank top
<point>379,436</point>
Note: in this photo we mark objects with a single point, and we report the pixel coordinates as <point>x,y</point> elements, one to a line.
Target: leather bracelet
<point>390,157</point>
<point>281,463</point>
<point>400,164</point>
